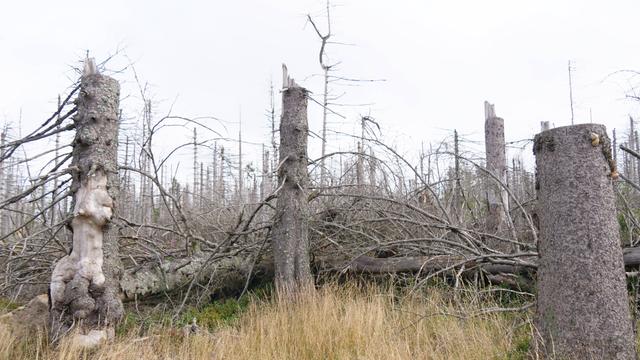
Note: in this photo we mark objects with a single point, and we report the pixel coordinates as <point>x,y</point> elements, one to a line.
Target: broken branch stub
<point>84,289</point>
<point>582,306</point>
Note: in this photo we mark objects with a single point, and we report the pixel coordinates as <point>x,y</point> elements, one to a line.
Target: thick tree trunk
<point>290,230</point>
<point>497,200</point>
<point>582,306</point>
<point>84,286</point>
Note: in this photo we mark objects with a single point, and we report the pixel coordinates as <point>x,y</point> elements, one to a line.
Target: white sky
<point>440,59</point>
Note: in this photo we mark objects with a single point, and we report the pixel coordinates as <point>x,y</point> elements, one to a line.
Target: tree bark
<point>582,307</point>
<point>84,290</point>
<point>290,230</point>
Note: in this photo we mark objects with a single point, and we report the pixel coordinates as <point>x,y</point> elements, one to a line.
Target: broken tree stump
<point>290,230</point>
<point>497,197</point>
<point>85,285</point>
<point>582,305</point>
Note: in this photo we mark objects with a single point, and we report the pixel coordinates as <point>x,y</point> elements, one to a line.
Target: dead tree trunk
<point>3,164</point>
<point>240,171</point>
<point>457,198</point>
<point>582,308</point>
<point>290,230</point>
<point>631,171</point>
<point>372,169</point>
<point>85,288</point>
<point>360,168</point>
<point>223,186</point>
<point>194,193</point>
<point>497,199</point>
<point>265,184</point>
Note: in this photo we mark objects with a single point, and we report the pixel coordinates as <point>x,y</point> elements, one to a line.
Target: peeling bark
<point>84,290</point>
<point>582,304</point>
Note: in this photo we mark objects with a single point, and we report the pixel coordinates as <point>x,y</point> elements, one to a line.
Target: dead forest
<point>101,222</point>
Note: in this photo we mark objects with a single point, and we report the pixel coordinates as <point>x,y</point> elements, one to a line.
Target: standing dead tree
<point>325,96</point>
<point>84,289</point>
<point>582,307</point>
<point>497,197</point>
<point>290,230</point>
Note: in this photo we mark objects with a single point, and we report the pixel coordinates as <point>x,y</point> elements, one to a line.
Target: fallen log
<point>509,275</point>
<point>229,275</point>
<point>224,276</point>
<point>415,264</point>
<point>428,264</point>
<point>160,277</point>
<point>631,257</point>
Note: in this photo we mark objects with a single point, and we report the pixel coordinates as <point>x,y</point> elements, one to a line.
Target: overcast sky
<point>440,60</point>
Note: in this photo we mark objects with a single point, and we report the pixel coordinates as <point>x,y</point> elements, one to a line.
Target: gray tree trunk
<point>223,186</point>
<point>240,170</point>
<point>325,106</point>
<point>457,202</point>
<point>360,167</point>
<point>290,230</point>
<point>497,197</point>
<point>372,170</point>
<point>85,286</point>
<point>196,186</point>
<point>3,164</point>
<point>265,184</point>
<point>214,175</point>
<point>631,171</point>
<point>637,161</point>
<point>582,306</point>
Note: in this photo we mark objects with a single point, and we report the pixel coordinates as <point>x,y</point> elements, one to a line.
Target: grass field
<point>335,322</point>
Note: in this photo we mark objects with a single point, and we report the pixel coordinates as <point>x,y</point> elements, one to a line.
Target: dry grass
<point>334,323</point>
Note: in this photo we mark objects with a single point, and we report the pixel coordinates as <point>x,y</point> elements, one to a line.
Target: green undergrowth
<point>211,316</point>
<point>217,313</point>
<point>7,305</point>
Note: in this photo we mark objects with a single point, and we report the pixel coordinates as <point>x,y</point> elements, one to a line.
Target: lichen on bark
<point>582,307</point>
